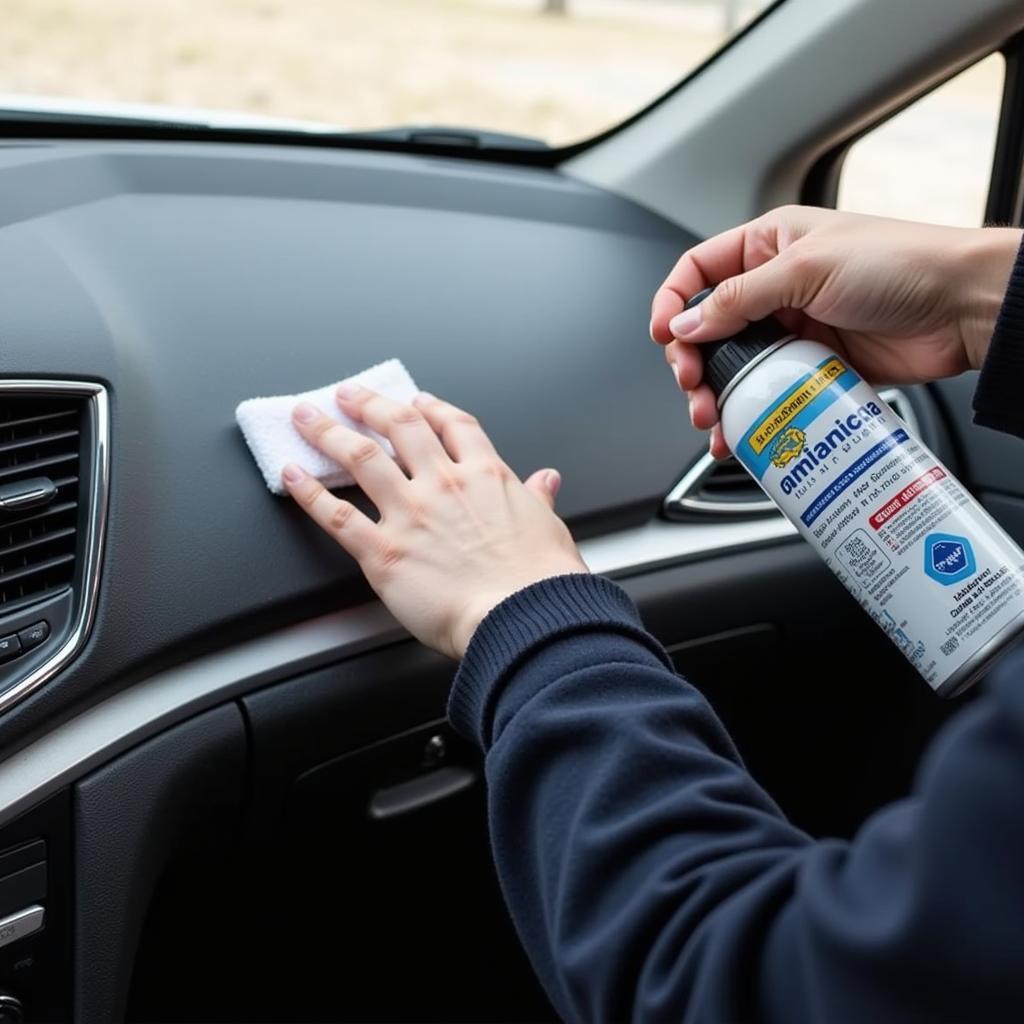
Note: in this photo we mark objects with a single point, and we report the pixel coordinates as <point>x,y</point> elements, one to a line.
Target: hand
<point>902,302</point>
<point>458,531</point>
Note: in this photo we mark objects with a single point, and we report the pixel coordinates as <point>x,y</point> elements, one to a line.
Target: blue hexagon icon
<point>948,559</point>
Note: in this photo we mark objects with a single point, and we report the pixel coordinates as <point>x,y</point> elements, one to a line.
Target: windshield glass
<point>557,70</point>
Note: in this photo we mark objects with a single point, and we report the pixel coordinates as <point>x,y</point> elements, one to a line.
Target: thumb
<point>545,483</point>
<point>739,300</point>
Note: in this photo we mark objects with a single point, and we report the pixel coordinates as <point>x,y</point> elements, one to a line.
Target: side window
<point>933,160</point>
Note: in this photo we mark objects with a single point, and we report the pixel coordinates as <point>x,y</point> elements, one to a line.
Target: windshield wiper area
<point>56,112</point>
<point>442,135</point>
<point>50,117</point>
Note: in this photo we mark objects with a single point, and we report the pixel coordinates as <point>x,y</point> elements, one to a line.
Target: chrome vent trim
<point>686,498</point>
<point>899,402</point>
<point>95,491</point>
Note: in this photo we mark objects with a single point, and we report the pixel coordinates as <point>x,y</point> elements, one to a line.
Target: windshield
<point>557,70</point>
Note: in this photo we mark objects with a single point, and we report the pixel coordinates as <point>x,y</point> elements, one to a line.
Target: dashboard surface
<point>187,277</point>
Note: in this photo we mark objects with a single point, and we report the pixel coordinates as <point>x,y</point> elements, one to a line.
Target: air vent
<point>713,487</point>
<point>40,454</point>
<point>54,472</point>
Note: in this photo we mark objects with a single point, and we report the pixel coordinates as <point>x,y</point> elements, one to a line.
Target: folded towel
<point>274,442</point>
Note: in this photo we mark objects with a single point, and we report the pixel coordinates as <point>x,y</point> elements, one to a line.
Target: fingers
<point>728,260</point>
<point>355,532</point>
<point>720,257</point>
<point>717,446</point>
<point>412,437</point>
<point>545,484</point>
<point>739,300</point>
<point>703,408</point>
<point>686,362</point>
<point>371,467</point>
<point>687,365</point>
<point>463,437</point>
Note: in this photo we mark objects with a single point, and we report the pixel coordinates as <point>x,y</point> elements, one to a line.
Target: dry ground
<point>363,63</point>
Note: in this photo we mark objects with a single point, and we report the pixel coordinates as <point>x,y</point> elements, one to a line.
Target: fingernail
<point>686,322</point>
<point>676,371</point>
<point>291,474</point>
<point>554,481</point>
<point>305,413</point>
<point>689,402</point>
<point>349,390</point>
<point>424,396</point>
<point>650,329</point>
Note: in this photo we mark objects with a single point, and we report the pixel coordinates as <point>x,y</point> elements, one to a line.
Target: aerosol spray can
<point>904,536</point>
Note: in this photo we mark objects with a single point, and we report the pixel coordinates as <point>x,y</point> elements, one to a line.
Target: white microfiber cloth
<point>274,442</point>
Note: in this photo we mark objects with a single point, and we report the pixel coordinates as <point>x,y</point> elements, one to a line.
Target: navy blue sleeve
<point>651,879</point>
<point>997,394</point>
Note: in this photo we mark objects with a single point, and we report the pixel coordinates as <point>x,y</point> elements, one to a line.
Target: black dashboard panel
<point>186,277</point>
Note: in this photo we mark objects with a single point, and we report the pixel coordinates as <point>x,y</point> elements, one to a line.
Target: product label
<point>800,399</point>
<point>930,566</point>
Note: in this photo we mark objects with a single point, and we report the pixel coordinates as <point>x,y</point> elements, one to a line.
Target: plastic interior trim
<point>127,718</point>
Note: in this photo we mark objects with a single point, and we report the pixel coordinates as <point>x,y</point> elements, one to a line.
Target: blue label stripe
<point>758,464</point>
<point>850,474</point>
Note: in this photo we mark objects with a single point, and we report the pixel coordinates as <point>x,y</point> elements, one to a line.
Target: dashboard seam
<point>125,719</point>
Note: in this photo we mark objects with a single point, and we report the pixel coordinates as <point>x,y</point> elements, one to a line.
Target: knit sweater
<point>651,878</point>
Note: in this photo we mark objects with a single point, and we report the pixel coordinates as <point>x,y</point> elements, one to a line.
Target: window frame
<point>1005,198</point>
<point>1005,203</point>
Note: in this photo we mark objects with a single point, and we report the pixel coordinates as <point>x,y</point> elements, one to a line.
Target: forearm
<point>638,857</point>
<point>636,854</point>
<point>651,879</point>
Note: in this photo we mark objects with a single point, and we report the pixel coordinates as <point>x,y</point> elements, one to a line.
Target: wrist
<point>987,261</point>
<point>485,603</point>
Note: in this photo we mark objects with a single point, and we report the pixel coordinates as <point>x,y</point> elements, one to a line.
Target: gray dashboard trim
<point>127,718</point>
<point>92,543</point>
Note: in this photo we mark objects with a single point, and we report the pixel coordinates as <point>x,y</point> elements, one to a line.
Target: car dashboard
<point>219,706</point>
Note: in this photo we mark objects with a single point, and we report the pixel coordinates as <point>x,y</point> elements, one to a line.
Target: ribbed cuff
<point>531,617</point>
<point>997,395</point>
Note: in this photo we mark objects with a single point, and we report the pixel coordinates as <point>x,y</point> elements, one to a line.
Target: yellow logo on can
<point>774,423</point>
<point>787,446</point>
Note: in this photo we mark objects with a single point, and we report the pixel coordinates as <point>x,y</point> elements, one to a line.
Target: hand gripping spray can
<point>904,536</point>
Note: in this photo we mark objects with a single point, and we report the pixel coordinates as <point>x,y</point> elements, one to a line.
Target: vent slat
<point>48,417</point>
<point>38,464</point>
<point>50,510</point>
<point>729,481</point>
<point>38,441</point>
<point>30,570</point>
<point>39,436</point>
<point>14,604</point>
<point>35,542</point>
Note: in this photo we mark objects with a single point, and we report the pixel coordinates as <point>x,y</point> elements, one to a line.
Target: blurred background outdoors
<point>559,70</point>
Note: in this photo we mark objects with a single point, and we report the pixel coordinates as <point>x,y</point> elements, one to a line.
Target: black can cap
<point>724,359</point>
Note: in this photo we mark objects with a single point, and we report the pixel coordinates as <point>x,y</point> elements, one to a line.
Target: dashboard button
<point>24,922</point>
<point>10,647</point>
<point>34,635</point>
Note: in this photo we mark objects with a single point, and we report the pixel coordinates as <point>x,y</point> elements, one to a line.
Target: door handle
<point>419,792</point>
